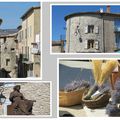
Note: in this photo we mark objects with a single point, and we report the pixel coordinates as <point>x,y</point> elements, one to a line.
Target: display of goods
<point>99,102</point>
<point>67,99</point>
<point>114,77</point>
<point>115,95</point>
<point>117,84</point>
<point>112,110</point>
<point>107,69</point>
<point>76,85</point>
<point>104,88</point>
<point>97,65</point>
<point>95,91</point>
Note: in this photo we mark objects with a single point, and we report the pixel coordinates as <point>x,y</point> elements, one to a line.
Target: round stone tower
<point>90,32</point>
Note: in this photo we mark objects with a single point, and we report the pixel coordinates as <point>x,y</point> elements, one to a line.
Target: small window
<point>91,44</point>
<point>28,52</point>
<point>12,49</point>
<point>90,28</point>
<point>22,35</point>
<point>4,40</point>
<point>5,48</point>
<point>80,40</point>
<point>30,31</point>
<point>7,62</point>
<point>26,49</point>
<point>25,33</point>
<point>22,49</point>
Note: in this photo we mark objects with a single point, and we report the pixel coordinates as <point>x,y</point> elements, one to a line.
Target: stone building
<point>58,46</point>
<point>29,43</point>
<point>8,58</point>
<point>32,91</point>
<point>93,32</point>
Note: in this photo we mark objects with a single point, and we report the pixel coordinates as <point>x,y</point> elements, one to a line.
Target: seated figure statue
<point>21,105</point>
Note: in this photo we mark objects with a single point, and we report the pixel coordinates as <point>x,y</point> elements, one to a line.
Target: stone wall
<point>35,91</point>
<point>105,33</point>
<point>109,34</point>
<point>12,60</point>
<point>56,49</point>
<point>37,65</point>
<point>8,54</point>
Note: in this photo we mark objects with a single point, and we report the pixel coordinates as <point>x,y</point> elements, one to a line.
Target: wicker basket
<point>102,101</point>
<point>67,99</point>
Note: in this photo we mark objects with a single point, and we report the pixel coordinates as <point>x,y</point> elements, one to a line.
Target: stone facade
<point>90,32</point>
<point>8,60</point>
<point>34,91</point>
<point>58,46</point>
<point>56,49</point>
<point>29,40</point>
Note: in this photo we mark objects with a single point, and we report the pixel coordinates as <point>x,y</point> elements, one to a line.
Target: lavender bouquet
<point>112,108</point>
<point>76,85</point>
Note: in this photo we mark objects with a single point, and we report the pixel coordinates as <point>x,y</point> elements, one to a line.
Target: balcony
<point>35,51</point>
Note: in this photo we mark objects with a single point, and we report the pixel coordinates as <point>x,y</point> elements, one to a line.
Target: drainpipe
<point>0,43</point>
<point>103,40</point>
<point>103,35</point>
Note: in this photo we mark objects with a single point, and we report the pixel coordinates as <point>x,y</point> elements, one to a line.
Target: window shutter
<point>86,29</point>
<point>37,38</point>
<point>86,44</point>
<point>97,29</point>
<point>96,45</point>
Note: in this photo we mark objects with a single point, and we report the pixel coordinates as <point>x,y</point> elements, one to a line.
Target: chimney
<point>108,9</point>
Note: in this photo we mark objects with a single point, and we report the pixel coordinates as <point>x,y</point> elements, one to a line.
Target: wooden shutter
<point>97,29</point>
<point>86,29</point>
<point>96,45</point>
<point>86,44</point>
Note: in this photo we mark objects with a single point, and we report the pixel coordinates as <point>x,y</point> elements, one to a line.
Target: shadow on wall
<point>69,74</point>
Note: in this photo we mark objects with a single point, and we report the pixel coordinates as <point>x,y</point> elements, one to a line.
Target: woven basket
<point>102,101</point>
<point>67,99</point>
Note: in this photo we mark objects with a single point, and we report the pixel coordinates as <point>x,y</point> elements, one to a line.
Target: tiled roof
<point>57,42</point>
<point>4,32</point>
<point>92,13</point>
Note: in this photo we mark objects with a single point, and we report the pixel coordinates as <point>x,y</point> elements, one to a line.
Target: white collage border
<point>84,2</point>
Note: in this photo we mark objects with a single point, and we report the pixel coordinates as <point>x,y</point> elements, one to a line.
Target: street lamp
<point>2,97</point>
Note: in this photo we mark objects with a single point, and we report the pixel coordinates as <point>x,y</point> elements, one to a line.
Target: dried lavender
<point>104,88</point>
<point>112,109</point>
<point>76,85</point>
<point>117,84</point>
<point>115,97</point>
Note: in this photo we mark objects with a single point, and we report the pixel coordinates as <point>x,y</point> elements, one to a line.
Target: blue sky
<point>10,13</point>
<point>60,11</point>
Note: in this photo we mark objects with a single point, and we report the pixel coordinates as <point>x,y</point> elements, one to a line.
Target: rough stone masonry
<point>35,91</point>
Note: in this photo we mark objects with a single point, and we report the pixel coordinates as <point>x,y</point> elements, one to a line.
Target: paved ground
<point>79,111</point>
